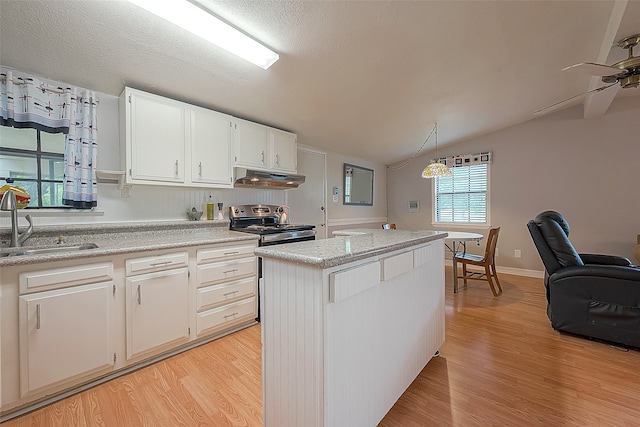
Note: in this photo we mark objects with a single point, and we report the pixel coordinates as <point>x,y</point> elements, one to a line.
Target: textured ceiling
<point>362,78</point>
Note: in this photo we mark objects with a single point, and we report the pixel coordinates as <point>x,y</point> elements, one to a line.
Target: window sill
<point>56,212</point>
<point>458,225</point>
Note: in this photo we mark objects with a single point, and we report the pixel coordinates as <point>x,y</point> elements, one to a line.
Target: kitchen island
<point>348,323</point>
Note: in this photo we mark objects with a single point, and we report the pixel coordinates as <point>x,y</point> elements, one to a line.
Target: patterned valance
<point>465,159</point>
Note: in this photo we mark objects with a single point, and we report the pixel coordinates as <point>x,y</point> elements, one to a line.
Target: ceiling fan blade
<point>568,100</point>
<point>596,69</point>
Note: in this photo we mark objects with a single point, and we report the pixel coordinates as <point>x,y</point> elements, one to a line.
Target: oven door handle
<point>287,236</point>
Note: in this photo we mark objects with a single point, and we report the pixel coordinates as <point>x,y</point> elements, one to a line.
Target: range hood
<point>250,178</point>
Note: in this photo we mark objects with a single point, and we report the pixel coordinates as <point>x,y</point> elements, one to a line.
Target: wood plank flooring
<point>501,365</point>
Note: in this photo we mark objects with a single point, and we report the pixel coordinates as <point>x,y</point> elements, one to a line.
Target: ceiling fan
<point>626,73</point>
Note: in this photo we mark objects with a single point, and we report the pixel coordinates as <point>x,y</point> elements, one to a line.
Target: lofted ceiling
<point>361,78</point>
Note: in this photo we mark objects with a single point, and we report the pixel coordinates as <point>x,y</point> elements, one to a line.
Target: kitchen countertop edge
<point>345,249</point>
<point>121,240</point>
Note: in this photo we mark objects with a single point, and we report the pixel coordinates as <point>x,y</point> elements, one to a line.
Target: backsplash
<point>148,203</point>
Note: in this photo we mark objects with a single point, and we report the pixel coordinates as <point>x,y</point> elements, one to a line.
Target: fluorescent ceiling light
<point>203,24</point>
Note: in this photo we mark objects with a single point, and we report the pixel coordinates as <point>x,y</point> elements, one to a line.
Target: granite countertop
<point>360,244</point>
<point>121,238</point>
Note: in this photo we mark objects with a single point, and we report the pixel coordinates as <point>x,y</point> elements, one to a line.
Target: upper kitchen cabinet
<point>210,148</point>
<point>264,148</point>
<point>155,134</point>
<point>251,144</point>
<point>283,151</point>
<point>168,142</point>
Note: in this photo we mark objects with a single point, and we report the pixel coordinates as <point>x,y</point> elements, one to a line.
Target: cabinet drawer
<point>219,271</point>
<point>222,253</point>
<point>212,296</point>
<point>226,316</point>
<point>63,277</point>
<point>156,263</point>
<point>345,283</point>
<point>397,265</point>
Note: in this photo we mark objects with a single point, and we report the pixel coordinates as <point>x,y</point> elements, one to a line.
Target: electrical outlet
<point>517,253</point>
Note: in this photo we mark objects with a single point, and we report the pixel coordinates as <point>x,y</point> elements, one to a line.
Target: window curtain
<point>26,102</point>
<point>80,152</point>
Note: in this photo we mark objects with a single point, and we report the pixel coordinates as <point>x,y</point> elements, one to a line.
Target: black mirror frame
<point>344,186</point>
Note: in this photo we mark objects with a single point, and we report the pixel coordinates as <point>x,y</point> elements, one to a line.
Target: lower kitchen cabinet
<point>65,334</point>
<point>157,305</point>
<point>226,287</point>
<point>67,324</point>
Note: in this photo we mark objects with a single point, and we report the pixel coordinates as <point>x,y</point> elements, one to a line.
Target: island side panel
<point>292,327</point>
<point>378,341</point>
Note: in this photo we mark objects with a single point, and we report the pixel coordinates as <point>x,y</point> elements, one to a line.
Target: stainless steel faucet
<point>9,203</point>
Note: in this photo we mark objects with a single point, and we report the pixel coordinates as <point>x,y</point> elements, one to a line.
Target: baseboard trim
<point>509,270</point>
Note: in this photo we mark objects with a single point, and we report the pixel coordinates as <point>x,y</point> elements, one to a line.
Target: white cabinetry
<point>264,148</point>
<point>156,135</point>
<point>283,151</point>
<point>251,144</point>
<point>168,142</point>
<point>157,303</point>
<point>66,331</point>
<point>226,284</point>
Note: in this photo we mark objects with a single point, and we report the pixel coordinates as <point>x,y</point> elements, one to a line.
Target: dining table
<point>456,242</point>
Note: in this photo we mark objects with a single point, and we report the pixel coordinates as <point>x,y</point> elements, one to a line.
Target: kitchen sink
<point>46,250</point>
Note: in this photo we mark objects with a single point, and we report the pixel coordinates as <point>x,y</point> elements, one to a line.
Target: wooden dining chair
<point>488,261</point>
<point>391,226</point>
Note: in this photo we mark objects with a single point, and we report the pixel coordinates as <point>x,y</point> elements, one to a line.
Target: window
<point>463,197</point>
<point>35,161</point>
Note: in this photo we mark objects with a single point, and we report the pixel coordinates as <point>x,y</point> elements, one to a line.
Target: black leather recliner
<point>597,296</point>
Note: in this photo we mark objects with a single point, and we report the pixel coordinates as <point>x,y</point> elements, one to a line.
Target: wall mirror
<point>358,185</point>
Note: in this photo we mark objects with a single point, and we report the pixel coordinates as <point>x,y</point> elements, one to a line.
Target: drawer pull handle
<point>230,271</point>
<point>156,264</point>
<point>37,316</point>
<point>231,315</point>
<point>231,253</point>
<point>139,296</point>
<point>230,293</point>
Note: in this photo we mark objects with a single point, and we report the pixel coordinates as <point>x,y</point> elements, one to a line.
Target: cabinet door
<point>157,138</point>
<point>250,144</point>
<point>65,334</point>
<point>284,151</point>
<point>210,147</point>
<point>157,311</point>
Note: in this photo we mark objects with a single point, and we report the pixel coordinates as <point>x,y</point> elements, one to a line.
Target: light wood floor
<point>501,365</point>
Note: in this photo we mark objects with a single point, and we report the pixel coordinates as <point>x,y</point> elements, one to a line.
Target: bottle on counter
<point>210,207</point>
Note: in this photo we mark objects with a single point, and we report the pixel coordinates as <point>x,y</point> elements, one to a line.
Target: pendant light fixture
<point>436,169</point>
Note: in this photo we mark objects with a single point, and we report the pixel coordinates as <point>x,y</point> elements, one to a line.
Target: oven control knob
<point>237,211</point>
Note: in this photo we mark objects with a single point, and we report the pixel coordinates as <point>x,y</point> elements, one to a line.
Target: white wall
<point>585,169</point>
<point>348,216</point>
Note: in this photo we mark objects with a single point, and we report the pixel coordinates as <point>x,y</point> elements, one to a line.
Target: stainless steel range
<point>263,220</point>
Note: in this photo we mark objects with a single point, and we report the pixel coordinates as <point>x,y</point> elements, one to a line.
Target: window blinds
<point>462,197</point>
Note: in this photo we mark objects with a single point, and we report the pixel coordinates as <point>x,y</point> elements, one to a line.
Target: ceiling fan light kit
<point>625,72</point>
